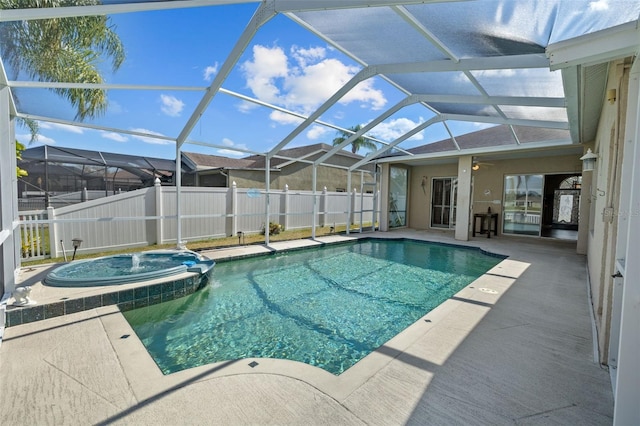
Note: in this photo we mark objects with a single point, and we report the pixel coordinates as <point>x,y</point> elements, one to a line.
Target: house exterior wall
<point>419,214</point>
<point>604,196</point>
<point>488,183</point>
<point>299,176</point>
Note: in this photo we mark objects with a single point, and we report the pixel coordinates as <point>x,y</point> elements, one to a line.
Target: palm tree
<point>360,142</point>
<point>62,49</point>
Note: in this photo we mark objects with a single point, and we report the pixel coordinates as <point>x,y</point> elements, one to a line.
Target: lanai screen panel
<point>463,48</point>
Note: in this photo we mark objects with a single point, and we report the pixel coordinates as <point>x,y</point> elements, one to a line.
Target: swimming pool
<point>328,307</point>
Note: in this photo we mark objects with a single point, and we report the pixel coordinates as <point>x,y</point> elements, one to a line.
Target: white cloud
<point>284,118</point>
<point>392,130</point>
<point>317,132</point>
<point>599,5</point>
<point>261,72</point>
<point>149,139</point>
<point>304,56</point>
<point>114,136</point>
<point>63,127</point>
<point>246,106</point>
<point>210,71</point>
<point>307,82</point>
<point>25,139</point>
<point>231,152</point>
<point>171,105</point>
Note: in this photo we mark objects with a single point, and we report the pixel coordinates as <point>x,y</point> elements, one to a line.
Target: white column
<point>286,206</point>
<point>234,209</point>
<point>178,181</point>
<point>323,207</point>
<point>384,197</point>
<point>159,211</point>
<point>53,233</point>
<point>267,185</point>
<point>314,184</point>
<point>463,206</point>
<point>9,237</point>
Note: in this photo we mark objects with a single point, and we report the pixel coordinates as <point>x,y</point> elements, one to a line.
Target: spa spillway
<point>128,268</point>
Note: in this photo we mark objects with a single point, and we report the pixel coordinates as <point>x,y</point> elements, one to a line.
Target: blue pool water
<point>327,307</point>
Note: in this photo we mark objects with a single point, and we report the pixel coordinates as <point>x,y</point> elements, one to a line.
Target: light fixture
<point>589,161</point>
<point>475,167</point>
<point>76,244</point>
<point>611,96</point>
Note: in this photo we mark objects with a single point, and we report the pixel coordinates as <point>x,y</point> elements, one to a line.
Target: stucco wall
<point>419,216</point>
<point>299,176</point>
<point>604,191</point>
<point>488,183</point>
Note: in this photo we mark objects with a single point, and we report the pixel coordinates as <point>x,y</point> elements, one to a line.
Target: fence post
<point>159,212</point>
<point>352,203</point>
<point>234,209</point>
<point>53,233</point>
<point>286,207</point>
<point>323,208</point>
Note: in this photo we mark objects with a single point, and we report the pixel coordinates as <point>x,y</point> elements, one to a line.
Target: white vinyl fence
<point>148,216</point>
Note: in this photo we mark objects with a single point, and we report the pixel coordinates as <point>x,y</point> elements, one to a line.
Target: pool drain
<point>488,290</point>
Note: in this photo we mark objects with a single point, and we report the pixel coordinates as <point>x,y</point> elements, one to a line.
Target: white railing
<point>148,216</point>
<point>520,217</point>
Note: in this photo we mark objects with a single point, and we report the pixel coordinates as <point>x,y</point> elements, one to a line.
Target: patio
<point>522,356</point>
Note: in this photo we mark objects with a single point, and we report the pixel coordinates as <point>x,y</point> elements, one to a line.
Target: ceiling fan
<point>476,165</point>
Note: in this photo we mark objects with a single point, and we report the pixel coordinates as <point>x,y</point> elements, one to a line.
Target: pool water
<point>328,307</point>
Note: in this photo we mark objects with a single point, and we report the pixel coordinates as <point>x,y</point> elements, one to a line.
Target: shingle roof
<point>204,161</point>
<point>493,136</point>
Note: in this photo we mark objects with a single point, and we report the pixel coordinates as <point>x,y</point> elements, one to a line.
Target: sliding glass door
<point>522,204</point>
<point>444,192</point>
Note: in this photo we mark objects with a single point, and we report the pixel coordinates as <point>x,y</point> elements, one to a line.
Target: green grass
<point>212,243</point>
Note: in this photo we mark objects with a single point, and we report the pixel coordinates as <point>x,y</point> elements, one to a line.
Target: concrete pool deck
<point>514,347</point>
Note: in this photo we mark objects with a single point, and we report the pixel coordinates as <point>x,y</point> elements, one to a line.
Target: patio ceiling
<point>533,64</point>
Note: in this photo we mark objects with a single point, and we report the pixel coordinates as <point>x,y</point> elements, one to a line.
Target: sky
<point>284,65</point>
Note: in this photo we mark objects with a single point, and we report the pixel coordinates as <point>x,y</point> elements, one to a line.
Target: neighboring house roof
<point>208,162</point>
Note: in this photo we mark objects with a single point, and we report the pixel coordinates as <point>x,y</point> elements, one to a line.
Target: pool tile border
<point>126,300</point>
<point>320,244</point>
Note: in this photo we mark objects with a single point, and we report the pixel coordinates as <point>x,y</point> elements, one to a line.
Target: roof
<point>207,161</point>
<point>492,136</point>
<point>498,62</point>
<point>285,157</point>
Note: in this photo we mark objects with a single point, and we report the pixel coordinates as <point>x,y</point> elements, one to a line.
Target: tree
<point>359,142</point>
<point>19,148</point>
<point>62,50</point>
